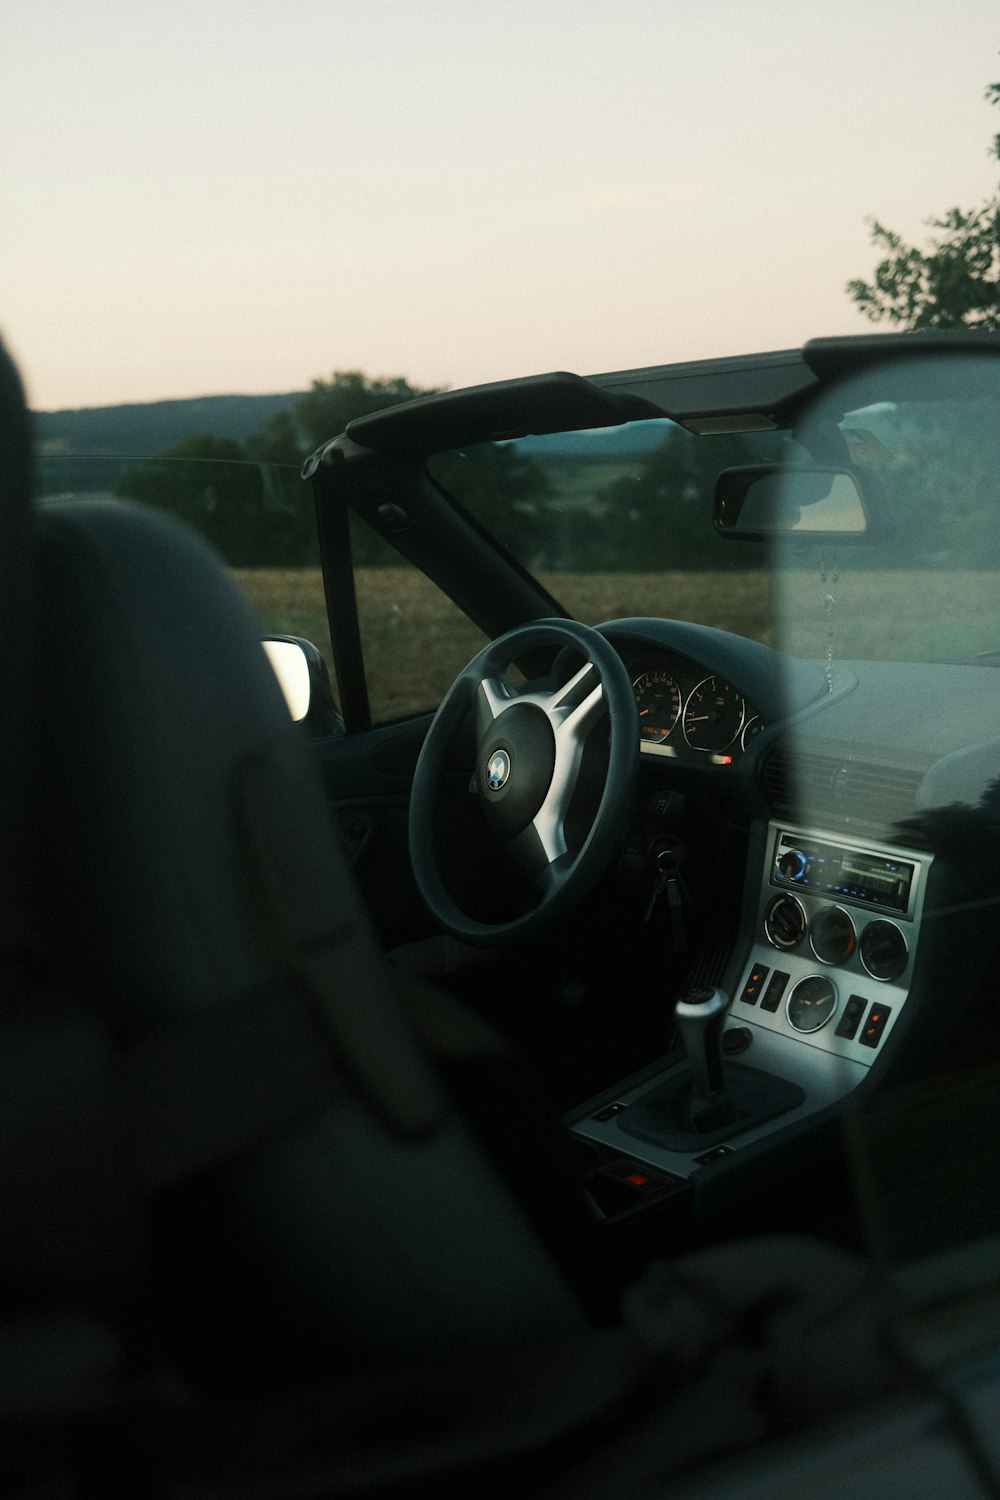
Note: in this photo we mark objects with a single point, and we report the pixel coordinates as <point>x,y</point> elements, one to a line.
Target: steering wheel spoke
<point>574,707</point>
<point>552,877</point>
<point>540,847</point>
<point>493,695</point>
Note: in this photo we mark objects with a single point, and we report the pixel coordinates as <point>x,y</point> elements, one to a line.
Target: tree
<point>323,413</point>
<point>278,441</point>
<point>663,511</point>
<point>327,407</point>
<point>255,513</point>
<point>506,491</point>
<point>195,480</point>
<point>954,282</point>
<point>247,498</point>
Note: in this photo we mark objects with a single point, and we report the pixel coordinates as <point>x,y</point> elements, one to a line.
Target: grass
<point>416,641</point>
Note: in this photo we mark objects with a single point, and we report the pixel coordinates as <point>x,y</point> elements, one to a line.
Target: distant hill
<point>148,427</point>
<point>152,426</point>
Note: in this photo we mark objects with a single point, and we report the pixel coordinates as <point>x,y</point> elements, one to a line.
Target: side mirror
<point>766,501</point>
<point>303,678</point>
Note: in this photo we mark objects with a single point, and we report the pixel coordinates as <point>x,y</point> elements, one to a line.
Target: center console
<point>817,997</point>
<point>834,942</point>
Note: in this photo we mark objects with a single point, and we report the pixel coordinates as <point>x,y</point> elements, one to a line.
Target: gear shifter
<point>694,1106</point>
<point>701,1019</point>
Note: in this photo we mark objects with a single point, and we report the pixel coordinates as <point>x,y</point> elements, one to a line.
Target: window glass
<point>618,521</point>
<point>928,447</point>
<point>259,517</point>
<point>415,641</point>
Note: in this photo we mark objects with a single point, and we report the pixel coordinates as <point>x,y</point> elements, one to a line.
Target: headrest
<point>16,470</point>
<point>15,442</point>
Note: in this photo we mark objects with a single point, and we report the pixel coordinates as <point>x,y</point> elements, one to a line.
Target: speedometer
<point>714,715</point>
<point>658,699</point>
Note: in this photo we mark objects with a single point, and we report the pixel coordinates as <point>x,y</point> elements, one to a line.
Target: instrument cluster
<point>686,712</point>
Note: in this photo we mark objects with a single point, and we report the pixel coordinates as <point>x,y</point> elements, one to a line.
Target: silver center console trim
<point>850,976</point>
<point>826,1067</point>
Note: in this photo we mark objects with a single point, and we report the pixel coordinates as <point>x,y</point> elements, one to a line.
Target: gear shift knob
<point>701,1018</point>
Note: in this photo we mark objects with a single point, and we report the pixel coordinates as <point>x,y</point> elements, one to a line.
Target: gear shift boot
<point>673,1116</point>
<point>706,1104</point>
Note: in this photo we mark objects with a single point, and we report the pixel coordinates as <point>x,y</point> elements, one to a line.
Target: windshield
<point>618,521</point>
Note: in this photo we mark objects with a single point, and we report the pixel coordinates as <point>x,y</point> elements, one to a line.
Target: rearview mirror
<point>764,501</point>
<point>303,678</point>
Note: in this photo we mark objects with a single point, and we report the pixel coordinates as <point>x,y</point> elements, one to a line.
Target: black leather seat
<point>309,1198</point>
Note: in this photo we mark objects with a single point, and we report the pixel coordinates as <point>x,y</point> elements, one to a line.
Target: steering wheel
<point>529,750</point>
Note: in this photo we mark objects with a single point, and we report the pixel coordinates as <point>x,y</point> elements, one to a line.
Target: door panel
<point>367,779</point>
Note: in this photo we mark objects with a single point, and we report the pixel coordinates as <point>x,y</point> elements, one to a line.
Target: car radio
<point>842,873</point>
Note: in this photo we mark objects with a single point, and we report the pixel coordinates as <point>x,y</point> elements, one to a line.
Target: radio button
<point>792,864</point>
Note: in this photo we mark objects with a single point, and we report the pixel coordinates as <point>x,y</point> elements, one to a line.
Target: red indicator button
<point>751,989</point>
<point>637,1179</point>
<point>875,1024</point>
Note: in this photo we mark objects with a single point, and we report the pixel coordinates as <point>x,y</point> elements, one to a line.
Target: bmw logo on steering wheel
<point>497,770</point>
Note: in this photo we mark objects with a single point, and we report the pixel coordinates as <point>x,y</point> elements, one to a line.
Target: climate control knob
<point>832,936</point>
<point>785,922</point>
<point>883,950</point>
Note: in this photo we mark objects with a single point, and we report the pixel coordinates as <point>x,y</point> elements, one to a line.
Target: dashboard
<point>685,711</point>
<point>704,695</point>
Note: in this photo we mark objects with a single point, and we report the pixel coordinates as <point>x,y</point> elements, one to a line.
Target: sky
<point>214,196</point>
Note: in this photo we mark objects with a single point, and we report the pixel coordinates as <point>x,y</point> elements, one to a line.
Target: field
<point>416,641</point>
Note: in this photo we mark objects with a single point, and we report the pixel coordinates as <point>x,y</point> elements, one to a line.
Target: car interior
<point>782,834</point>
<point>581,1082</point>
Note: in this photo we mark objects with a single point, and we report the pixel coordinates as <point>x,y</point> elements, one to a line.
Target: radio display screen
<point>849,874</point>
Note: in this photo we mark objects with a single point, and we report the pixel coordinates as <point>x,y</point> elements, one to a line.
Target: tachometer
<point>658,698</point>
<point>714,715</point>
